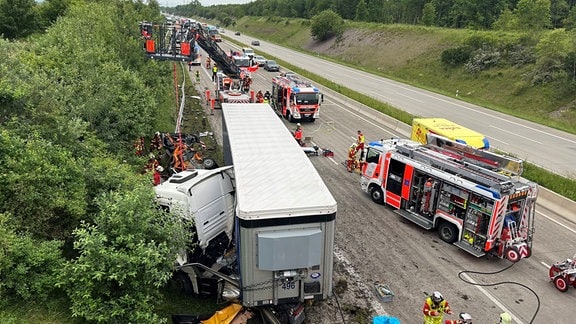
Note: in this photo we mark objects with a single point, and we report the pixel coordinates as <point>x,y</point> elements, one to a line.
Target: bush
<point>456,56</point>
<point>28,267</point>
<point>482,60</point>
<point>326,24</point>
<point>520,55</point>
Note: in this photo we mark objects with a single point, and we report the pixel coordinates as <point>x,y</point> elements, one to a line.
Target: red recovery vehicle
<point>476,199</point>
<point>295,99</point>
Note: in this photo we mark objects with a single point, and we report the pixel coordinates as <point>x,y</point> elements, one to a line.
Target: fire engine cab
<point>295,99</point>
<point>228,90</point>
<point>476,199</point>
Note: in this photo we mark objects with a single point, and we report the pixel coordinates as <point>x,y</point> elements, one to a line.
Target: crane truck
<point>476,199</point>
<point>263,233</point>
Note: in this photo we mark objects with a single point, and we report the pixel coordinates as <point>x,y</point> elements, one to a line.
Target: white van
<point>206,197</point>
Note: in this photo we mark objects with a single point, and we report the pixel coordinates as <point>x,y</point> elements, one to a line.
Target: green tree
<point>326,24</point>
<point>124,256</point>
<point>361,11</point>
<point>533,14</point>
<point>43,187</point>
<point>50,10</point>
<point>28,266</point>
<point>429,14</point>
<point>17,18</point>
<point>506,21</point>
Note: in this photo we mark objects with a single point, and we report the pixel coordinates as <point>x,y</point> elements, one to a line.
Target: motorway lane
<point>382,246</point>
<point>544,146</point>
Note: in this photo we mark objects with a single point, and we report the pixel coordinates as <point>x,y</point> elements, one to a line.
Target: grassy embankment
<point>411,54</point>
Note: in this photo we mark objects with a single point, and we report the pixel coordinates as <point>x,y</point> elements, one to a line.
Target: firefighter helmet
<point>437,297</point>
<point>465,318</point>
<point>159,168</point>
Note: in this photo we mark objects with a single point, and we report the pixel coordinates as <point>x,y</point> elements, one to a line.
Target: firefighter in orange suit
<point>360,141</point>
<point>434,308</point>
<point>351,162</point>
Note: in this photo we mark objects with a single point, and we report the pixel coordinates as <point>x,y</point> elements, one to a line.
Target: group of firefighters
<point>353,162</point>
<point>175,149</point>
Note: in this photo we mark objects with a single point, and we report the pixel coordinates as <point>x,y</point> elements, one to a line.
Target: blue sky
<point>205,3</point>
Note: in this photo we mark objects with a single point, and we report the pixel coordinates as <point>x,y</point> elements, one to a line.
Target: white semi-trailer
<point>280,250</point>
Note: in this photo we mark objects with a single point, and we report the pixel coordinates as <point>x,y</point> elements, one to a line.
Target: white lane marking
<point>545,264</point>
<point>368,121</point>
<point>515,134</point>
<point>557,222</point>
<point>493,299</point>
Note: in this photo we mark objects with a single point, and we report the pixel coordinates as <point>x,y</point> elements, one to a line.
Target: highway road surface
<point>544,146</point>
<point>374,244</point>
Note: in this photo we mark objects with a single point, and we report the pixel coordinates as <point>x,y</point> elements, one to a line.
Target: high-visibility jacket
<point>298,134</point>
<point>431,309</point>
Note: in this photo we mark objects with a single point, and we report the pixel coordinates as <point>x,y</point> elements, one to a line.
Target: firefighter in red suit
<point>351,162</point>
<point>298,134</point>
<point>434,308</point>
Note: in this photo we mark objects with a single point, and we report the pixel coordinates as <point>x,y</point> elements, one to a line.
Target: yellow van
<point>443,127</point>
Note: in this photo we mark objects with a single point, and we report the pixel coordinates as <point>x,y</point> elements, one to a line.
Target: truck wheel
<point>183,282</point>
<point>377,195</point>
<point>448,232</point>
<point>209,164</point>
<point>561,284</point>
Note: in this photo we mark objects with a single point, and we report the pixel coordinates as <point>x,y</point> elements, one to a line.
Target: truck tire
<point>377,195</point>
<point>183,283</point>
<point>448,232</point>
<point>209,164</point>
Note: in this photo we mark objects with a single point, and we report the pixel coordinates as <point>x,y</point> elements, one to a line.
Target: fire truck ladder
<point>466,170</point>
<point>486,159</point>
<point>218,55</point>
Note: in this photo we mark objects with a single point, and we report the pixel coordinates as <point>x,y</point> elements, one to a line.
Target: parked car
<point>271,66</point>
<point>237,33</point>
<point>255,43</point>
<point>260,60</point>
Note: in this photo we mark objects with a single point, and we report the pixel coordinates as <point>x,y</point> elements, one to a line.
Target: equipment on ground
<point>260,242</point>
<point>295,99</point>
<point>469,196</point>
<point>563,274</point>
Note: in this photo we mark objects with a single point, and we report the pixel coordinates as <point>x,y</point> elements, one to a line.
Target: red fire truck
<point>476,199</point>
<point>295,99</point>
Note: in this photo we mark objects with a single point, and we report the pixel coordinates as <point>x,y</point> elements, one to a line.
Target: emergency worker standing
<point>298,134</point>
<point>214,72</point>
<point>351,162</point>
<point>360,141</point>
<point>428,186</point>
<point>434,308</point>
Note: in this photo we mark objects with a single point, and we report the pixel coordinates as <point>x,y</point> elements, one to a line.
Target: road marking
<point>545,264</point>
<point>368,121</point>
<point>557,222</point>
<point>493,299</point>
<point>515,134</point>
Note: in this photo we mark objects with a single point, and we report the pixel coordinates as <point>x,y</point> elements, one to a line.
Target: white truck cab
<point>206,197</point>
<point>248,52</point>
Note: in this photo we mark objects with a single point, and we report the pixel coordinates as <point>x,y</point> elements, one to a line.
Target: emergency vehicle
<point>446,128</point>
<point>229,90</point>
<point>295,99</point>
<point>476,199</point>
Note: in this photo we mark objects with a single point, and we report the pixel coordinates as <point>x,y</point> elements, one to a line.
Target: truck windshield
<point>242,61</point>
<point>307,99</point>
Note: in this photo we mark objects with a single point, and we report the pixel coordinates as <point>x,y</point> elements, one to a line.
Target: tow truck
<point>295,99</point>
<point>476,199</point>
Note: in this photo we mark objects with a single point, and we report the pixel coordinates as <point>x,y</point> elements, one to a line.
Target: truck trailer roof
<point>288,186</point>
